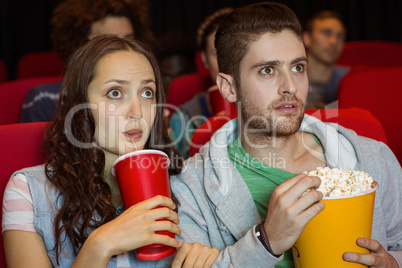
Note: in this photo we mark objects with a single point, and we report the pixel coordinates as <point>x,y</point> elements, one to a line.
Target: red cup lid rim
<point>353,195</point>
<point>157,255</point>
<point>145,151</point>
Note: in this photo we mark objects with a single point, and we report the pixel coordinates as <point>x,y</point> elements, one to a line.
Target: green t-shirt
<point>261,180</point>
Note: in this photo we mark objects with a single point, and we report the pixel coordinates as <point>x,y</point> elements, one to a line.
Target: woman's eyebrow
<point>118,81</point>
<point>125,82</point>
<point>147,81</point>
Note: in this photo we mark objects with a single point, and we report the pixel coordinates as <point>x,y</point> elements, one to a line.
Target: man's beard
<point>260,122</point>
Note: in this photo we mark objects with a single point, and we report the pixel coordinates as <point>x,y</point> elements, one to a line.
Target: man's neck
<point>295,153</point>
<point>319,71</point>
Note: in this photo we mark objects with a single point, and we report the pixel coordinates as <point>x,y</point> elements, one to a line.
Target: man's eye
<point>148,93</point>
<point>298,68</point>
<point>327,33</point>
<point>114,93</point>
<point>267,70</point>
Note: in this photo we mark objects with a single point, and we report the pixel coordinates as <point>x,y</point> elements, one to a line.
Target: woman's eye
<point>148,93</point>
<point>114,93</point>
<point>267,70</point>
<point>298,68</point>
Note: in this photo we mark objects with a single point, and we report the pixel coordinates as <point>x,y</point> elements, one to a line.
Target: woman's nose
<point>135,110</point>
<point>136,117</point>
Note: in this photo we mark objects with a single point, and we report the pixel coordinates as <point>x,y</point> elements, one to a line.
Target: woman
<point>68,212</point>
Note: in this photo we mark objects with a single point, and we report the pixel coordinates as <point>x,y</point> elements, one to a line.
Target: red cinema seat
<point>371,53</point>
<point>39,64</point>
<point>378,90</point>
<point>204,133</point>
<point>21,146</point>
<point>13,95</point>
<point>185,87</point>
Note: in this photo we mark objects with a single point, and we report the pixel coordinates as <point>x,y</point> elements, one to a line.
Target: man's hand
<point>288,212</point>
<point>195,255</point>
<point>378,256</point>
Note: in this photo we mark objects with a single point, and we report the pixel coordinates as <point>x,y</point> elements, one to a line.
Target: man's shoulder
<point>42,93</point>
<point>50,88</point>
<point>193,106</point>
<point>368,149</point>
<point>355,138</point>
<point>340,71</point>
<point>193,166</point>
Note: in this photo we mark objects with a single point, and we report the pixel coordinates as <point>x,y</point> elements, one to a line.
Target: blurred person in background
<point>73,23</point>
<point>176,55</point>
<point>324,37</point>
<point>196,111</point>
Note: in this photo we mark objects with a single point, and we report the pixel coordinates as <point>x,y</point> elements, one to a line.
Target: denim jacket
<point>46,203</point>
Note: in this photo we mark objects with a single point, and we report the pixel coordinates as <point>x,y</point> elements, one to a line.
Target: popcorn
<point>338,182</point>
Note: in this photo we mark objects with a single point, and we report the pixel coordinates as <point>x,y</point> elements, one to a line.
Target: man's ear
<point>226,86</point>
<point>306,39</point>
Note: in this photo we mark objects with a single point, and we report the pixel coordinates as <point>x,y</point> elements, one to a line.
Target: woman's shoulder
<point>41,189</point>
<point>17,185</point>
<point>17,205</point>
<point>35,173</point>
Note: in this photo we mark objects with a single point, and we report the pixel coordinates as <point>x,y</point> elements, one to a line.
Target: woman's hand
<point>288,213</point>
<point>134,228</point>
<point>378,256</point>
<point>194,255</point>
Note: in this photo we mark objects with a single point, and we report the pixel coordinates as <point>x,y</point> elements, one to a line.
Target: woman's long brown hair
<point>78,171</point>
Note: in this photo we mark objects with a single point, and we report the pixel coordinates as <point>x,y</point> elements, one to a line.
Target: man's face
<point>117,25</point>
<point>209,56</point>
<point>274,84</point>
<point>326,40</point>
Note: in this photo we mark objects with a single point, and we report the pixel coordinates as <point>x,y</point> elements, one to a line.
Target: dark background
<point>25,27</point>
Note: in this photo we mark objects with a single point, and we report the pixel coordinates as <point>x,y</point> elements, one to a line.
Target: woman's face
<point>118,25</point>
<point>123,96</point>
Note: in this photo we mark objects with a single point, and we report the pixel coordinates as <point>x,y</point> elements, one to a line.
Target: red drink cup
<point>142,175</point>
<point>219,105</point>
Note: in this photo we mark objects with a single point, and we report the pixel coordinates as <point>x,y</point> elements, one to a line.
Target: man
<point>176,53</point>
<point>194,113</point>
<point>324,38</point>
<point>244,182</point>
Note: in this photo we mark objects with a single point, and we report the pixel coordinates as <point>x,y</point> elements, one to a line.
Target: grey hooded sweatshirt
<point>216,207</point>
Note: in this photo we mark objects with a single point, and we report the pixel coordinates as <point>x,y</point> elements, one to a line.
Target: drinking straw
<point>136,148</point>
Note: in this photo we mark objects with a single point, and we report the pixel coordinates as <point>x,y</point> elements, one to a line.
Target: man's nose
<point>287,84</point>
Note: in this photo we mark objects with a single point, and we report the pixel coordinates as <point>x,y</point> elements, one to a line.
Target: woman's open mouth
<point>133,134</point>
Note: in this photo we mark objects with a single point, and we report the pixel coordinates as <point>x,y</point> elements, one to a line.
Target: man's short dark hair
<point>324,14</point>
<point>245,25</point>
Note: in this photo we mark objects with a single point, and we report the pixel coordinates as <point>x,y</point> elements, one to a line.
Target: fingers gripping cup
<point>142,175</point>
<point>335,230</point>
